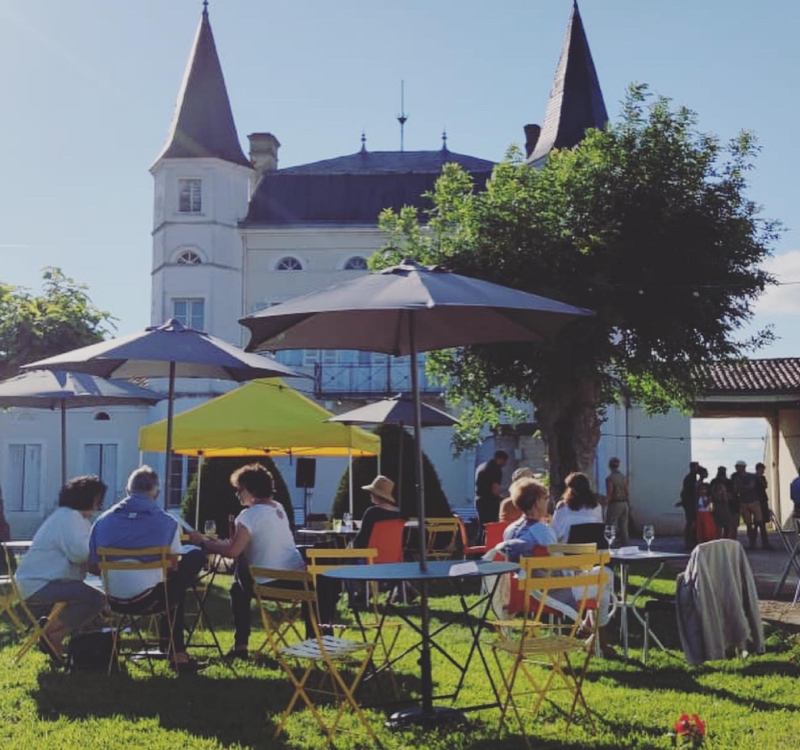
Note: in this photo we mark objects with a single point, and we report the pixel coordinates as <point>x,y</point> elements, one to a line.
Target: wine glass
<point>210,528</point>
<point>610,533</point>
<point>648,534</point>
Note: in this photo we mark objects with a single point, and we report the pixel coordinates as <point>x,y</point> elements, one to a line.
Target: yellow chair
<point>323,655</point>
<point>13,605</point>
<point>323,560</point>
<point>585,548</point>
<point>532,640</point>
<point>120,559</point>
<point>442,536</point>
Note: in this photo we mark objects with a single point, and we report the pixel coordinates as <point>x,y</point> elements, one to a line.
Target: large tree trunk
<point>570,424</point>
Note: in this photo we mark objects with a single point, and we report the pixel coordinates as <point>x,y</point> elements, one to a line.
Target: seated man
<point>134,523</point>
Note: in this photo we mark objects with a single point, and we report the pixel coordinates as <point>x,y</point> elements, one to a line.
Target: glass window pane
<point>16,477</point>
<point>33,465</point>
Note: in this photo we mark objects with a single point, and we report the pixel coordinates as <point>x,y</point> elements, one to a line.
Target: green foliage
<point>647,223</point>
<point>365,469</point>
<point>217,497</point>
<point>61,318</point>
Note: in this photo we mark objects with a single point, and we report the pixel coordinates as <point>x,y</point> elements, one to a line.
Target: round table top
<point>643,555</point>
<point>410,571</point>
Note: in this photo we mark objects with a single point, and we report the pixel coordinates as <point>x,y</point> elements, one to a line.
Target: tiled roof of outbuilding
<point>751,377</point>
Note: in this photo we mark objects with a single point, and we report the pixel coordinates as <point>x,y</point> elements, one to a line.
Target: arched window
<point>288,264</point>
<point>189,258</point>
<point>356,263</point>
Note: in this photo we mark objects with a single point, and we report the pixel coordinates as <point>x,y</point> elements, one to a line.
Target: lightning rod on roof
<point>402,117</point>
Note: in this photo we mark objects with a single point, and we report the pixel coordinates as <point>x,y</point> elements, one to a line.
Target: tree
<point>365,469</point>
<point>217,497</point>
<point>648,224</point>
<point>61,318</point>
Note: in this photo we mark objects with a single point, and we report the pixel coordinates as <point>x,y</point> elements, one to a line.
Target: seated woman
<point>262,538</point>
<point>578,505</point>
<point>531,531</point>
<point>54,567</point>
<point>383,508</point>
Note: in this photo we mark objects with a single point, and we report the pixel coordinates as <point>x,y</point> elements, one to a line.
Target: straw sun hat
<point>381,487</point>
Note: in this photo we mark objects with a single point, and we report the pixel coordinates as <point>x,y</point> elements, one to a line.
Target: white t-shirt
<point>564,518</point>
<point>271,542</point>
<point>59,552</point>
<point>126,584</point>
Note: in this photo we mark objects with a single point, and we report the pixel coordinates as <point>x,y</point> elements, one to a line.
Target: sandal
<point>237,653</point>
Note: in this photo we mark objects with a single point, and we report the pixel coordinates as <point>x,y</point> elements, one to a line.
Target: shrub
<point>217,497</point>
<point>365,469</point>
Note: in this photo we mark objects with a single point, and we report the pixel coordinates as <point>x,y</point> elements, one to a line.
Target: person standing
<point>618,511</point>
<point>744,492</point>
<point>720,492</point>
<point>794,493</point>
<point>488,478</point>
<point>763,501</point>
<point>688,502</point>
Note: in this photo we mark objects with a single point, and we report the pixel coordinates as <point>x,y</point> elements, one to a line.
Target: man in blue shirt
<point>794,493</point>
<point>134,523</point>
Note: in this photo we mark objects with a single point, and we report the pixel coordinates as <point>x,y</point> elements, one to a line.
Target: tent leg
<point>200,463</point>
<point>170,412</point>
<point>350,476</point>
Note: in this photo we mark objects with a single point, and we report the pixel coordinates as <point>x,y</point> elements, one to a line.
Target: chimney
<point>531,137</point>
<point>263,152</point>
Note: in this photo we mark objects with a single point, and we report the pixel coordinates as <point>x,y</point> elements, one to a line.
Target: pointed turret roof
<point>203,123</point>
<point>576,101</point>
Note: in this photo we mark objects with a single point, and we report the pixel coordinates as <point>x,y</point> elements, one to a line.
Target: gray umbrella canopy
<point>407,309</point>
<point>167,351</point>
<point>371,313</point>
<point>396,410</point>
<point>56,389</point>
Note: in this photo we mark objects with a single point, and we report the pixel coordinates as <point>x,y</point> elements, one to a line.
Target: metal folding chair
<point>792,547</point>
<point>532,642</point>
<point>323,656</point>
<point>442,536</point>
<point>136,560</point>
<point>19,614</point>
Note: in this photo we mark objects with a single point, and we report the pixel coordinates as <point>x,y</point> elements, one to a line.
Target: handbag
<point>90,651</point>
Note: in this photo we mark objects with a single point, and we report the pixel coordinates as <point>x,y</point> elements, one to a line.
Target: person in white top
<point>578,505</point>
<point>262,538</point>
<point>54,567</point>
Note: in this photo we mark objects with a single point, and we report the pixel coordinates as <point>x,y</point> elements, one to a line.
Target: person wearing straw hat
<point>383,508</point>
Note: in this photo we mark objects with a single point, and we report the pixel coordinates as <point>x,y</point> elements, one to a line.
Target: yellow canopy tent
<point>263,418</point>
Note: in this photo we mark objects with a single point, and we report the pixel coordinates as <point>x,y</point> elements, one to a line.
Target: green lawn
<point>747,703</point>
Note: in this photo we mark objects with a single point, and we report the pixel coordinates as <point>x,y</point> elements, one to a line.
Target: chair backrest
<point>322,560</point>
<point>543,575</point>
<point>288,590</point>
<point>442,536</point>
<point>387,538</point>
<point>581,533</point>
<point>493,532</point>
<point>133,560</point>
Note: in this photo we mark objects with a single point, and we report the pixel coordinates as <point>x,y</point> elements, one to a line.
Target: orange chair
<point>493,533</point>
<point>387,538</point>
<point>476,550</point>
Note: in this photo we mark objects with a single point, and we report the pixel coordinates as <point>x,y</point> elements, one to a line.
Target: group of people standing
<point>713,510</point>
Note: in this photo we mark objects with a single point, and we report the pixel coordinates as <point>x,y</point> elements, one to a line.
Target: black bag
<point>91,651</point>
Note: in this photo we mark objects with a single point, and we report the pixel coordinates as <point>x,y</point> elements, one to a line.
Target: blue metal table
<point>426,712</point>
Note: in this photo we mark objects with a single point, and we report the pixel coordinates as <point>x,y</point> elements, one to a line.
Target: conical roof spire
<point>203,123</point>
<point>576,101</point>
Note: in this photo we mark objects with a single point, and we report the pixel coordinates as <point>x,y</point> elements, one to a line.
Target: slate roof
<point>758,377</point>
<point>576,100</point>
<point>203,122</point>
<point>354,189</point>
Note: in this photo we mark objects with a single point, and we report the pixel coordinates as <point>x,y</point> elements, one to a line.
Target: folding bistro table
<point>458,572</point>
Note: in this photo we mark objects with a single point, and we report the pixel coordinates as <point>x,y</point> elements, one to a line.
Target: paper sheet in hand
<point>463,569</point>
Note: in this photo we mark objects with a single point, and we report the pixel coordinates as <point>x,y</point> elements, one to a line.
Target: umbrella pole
<point>170,410</point>
<point>63,442</point>
<point>350,472</point>
<point>197,499</point>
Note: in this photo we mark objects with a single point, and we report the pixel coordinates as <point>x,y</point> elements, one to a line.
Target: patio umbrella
<point>167,351</point>
<point>407,309</point>
<point>398,410</point>
<point>56,389</point>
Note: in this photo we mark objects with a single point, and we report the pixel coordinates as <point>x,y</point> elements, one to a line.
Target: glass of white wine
<point>610,533</point>
<point>210,528</point>
<point>648,534</point>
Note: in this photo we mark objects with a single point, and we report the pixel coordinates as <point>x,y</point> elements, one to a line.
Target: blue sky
<point>88,89</point>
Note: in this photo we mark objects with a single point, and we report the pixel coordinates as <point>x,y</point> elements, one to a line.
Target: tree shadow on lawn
<point>682,681</point>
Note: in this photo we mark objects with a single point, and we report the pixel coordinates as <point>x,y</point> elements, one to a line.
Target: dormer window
<point>356,263</point>
<point>190,197</point>
<point>189,258</point>
<point>289,263</point>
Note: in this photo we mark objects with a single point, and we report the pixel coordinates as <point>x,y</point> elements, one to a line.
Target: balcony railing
<point>351,379</point>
